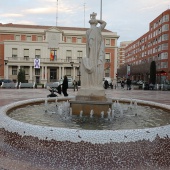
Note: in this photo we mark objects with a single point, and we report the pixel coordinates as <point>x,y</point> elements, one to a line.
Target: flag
<point>52,56</point>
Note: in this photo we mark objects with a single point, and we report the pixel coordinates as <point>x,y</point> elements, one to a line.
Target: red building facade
<point>152,46</point>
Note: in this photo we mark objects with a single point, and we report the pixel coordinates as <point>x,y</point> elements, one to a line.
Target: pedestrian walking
<point>122,84</point>
<point>75,84</point>
<point>106,84</point>
<point>128,84</point>
<point>65,86</point>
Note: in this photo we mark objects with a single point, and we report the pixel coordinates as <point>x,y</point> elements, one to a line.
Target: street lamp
<point>71,63</point>
<point>6,62</point>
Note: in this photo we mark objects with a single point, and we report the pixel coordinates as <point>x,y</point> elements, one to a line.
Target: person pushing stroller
<point>54,90</point>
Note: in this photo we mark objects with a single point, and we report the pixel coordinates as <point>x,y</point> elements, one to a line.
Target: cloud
<point>25,22</point>
<point>11,15</point>
<point>129,18</point>
<point>40,10</point>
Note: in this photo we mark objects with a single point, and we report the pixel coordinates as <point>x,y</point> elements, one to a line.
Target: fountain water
<point>119,116</point>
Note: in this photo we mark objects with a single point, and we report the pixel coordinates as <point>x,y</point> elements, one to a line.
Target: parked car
<point>134,82</point>
<point>140,82</point>
<point>5,81</point>
<point>57,83</point>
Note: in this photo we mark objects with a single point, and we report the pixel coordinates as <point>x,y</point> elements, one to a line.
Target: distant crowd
<point>113,84</point>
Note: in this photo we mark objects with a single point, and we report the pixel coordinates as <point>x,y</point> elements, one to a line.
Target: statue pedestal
<point>90,99</point>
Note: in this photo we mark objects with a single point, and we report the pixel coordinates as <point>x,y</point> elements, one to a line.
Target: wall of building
<point>153,46</point>
<point>54,41</point>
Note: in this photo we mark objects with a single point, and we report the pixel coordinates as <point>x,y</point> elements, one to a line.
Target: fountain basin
<point>64,148</point>
<point>107,135</point>
<point>87,106</point>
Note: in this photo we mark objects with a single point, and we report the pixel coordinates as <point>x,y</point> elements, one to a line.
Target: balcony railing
<point>43,60</point>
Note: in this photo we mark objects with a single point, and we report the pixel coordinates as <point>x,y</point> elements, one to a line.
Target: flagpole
<point>84,13</point>
<point>101,10</point>
<point>56,13</point>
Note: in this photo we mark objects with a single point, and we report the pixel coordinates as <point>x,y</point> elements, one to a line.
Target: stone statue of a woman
<point>92,66</point>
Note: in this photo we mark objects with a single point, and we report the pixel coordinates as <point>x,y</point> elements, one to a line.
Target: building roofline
<point>47,27</point>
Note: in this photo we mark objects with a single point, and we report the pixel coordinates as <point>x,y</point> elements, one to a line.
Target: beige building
<point>121,53</point>
<point>57,50</point>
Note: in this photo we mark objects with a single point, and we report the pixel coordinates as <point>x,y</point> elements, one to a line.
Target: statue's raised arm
<point>102,24</point>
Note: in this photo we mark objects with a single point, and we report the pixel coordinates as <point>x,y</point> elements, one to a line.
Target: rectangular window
<point>37,53</point>
<point>37,72</point>
<point>68,71</point>
<point>164,64</point>
<point>107,57</point>
<point>14,70</point>
<point>69,39</point>
<point>164,37</point>
<point>165,27</point>
<point>28,38</point>
<point>79,40</point>
<point>165,18</point>
<point>107,72</point>
<point>26,54</point>
<point>165,46</point>
<point>79,59</point>
<point>107,41</point>
<point>164,55</point>
<point>26,69</point>
<point>14,52</point>
<point>39,38</point>
<point>68,59</point>
<point>17,37</point>
<point>68,55</point>
<point>79,54</point>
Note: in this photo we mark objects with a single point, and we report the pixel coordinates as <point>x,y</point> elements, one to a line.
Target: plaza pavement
<point>8,96</point>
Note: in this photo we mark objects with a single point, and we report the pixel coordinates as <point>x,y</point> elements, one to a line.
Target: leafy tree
<point>21,76</point>
<point>153,72</point>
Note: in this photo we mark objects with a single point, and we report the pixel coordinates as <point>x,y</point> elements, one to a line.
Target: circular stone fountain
<point>62,148</point>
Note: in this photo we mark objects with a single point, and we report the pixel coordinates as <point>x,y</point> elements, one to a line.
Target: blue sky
<point>129,18</point>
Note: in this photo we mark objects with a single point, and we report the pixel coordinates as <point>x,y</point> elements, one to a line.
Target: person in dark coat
<point>65,86</point>
<point>122,84</point>
<point>128,84</point>
<point>75,84</point>
<point>106,84</point>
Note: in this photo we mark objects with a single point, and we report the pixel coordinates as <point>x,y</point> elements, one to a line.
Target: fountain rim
<point>75,135</point>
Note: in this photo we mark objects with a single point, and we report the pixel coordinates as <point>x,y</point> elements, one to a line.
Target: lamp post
<point>101,10</point>
<point>6,68</point>
<point>79,83</point>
